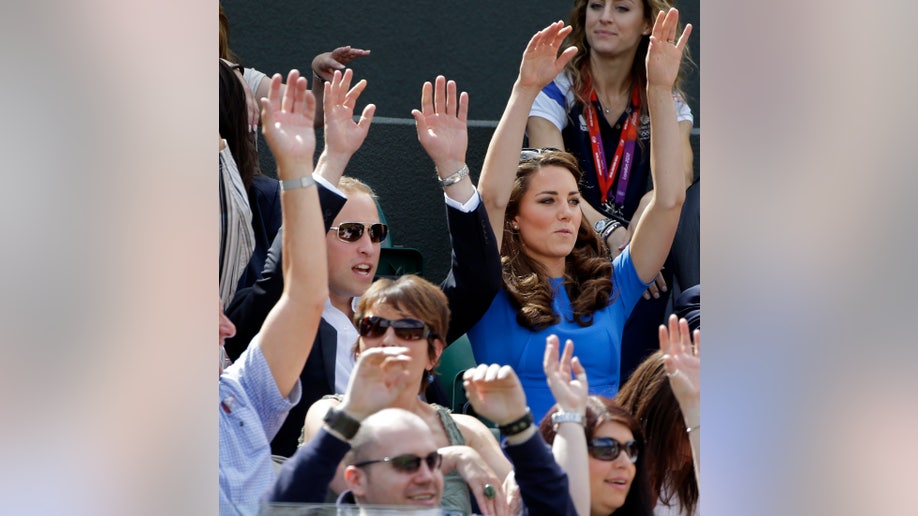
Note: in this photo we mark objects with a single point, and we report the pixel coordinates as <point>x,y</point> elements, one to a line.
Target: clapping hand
<point>288,123</point>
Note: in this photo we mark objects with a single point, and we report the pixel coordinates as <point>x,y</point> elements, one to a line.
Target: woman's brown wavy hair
<point>587,272</point>
<point>648,396</point>
<point>579,66</point>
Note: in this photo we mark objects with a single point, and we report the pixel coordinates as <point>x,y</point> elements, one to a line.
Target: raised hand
<point>288,123</point>
<point>570,394</point>
<point>342,134</point>
<point>541,62</point>
<point>664,54</point>
<point>682,362</point>
<point>325,64</point>
<point>379,377</point>
<point>495,392</point>
<point>442,124</point>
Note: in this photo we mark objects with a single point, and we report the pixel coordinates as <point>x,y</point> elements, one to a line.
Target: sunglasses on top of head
<point>408,463</point>
<point>608,449</point>
<point>353,231</point>
<point>407,329</point>
<point>528,153</point>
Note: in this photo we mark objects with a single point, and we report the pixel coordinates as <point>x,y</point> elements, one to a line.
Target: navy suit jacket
<point>472,282</point>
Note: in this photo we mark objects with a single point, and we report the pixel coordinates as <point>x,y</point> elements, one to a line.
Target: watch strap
<point>341,422</point>
<point>293,184</point>
<point>567,417</point>
<point>517,426</point>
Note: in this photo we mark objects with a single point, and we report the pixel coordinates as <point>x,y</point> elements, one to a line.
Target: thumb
<point>366,118</point>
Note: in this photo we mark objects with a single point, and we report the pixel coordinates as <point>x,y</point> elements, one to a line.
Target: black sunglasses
<point>352,231</point>
<point>607,449</point>
<point>529,153</point>
<point>407,329</point>
<point>408,463</point>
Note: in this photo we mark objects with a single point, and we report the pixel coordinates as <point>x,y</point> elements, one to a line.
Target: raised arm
<point>653,236</point>
<point>682,360</point>
<point>543,133</point>
<point>541,63</point>
<point>343,136</point>
<point>570,446</point>
<point>289,330</point>
<point>475,274</point>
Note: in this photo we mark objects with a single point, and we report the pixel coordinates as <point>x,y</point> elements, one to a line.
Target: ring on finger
<point>489,491</point>
<point>674,373</point>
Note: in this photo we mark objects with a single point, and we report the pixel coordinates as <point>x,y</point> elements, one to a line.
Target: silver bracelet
<point>567,417</point>
<point>300,182</point>
<point>455,177</point>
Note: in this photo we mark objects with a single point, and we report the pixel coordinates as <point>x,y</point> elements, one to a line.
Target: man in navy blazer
<point>475,271</point>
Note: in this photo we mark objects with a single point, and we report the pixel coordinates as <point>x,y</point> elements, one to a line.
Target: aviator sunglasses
<point>607,449</point>
<point>353,231</point>
<point>406,329</point>
<point>528,153</point>
<point>408,463</point>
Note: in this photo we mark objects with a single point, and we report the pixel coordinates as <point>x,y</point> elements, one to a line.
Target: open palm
<point>442,121</point>
<point>342,134</point>
<point>541,62</point>
<point>664,55</point>
<point>287,121</point>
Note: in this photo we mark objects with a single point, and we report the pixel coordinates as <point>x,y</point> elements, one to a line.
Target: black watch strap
<point>342,423</point>
<point>515,427</point>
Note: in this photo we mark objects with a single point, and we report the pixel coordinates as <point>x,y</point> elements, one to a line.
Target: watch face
<point>600,225</point>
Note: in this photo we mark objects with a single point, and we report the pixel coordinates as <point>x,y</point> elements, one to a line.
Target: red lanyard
<point>624,153</point>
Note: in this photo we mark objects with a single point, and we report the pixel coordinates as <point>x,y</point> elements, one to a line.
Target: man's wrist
<point>517,425</point>
<point>341,423</point>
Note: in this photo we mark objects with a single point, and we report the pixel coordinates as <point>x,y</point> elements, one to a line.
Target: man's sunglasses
<point>408,463</point>
<point>406,329</point>
<point>352,231</point>
<point>607,448</point>
<point>529,153</point>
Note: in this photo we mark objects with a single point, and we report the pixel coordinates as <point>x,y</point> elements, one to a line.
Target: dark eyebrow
<point>552,192</point>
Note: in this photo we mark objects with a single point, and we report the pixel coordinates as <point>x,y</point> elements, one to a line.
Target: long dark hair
<point>649,397</point>
<point>234,122</point>
<point>600,410</point>
<point>587,271</point>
